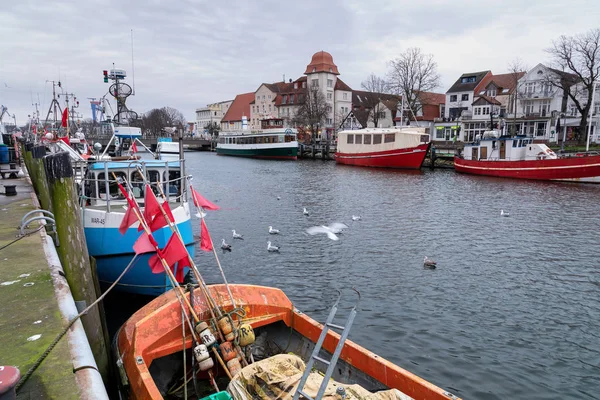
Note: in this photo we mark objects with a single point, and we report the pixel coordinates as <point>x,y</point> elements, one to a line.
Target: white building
<point>460,96</point>
<point>212,114</point>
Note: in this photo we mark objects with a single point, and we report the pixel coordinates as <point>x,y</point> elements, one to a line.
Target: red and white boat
<point>383,147</point>
<point>519,157</point>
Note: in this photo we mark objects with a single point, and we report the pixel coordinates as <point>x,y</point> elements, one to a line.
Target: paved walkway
<point>28,307</point>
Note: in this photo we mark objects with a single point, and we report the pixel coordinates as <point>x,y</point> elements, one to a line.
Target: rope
<point>45,354</point>
<point>21,237</point>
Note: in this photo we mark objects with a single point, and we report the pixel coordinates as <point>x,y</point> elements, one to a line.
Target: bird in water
<point>331,231</point>
<point>273,231</point>
<point>504,214</point>
<point>237,235</point>
<point>429,263</point>
<point>278,198</point>
<point>305,212</point>
<point>271,248</point>
<point>356,218</point>
<point>225,246</point>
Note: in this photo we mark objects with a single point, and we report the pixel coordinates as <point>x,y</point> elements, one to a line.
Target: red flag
<point>130,218</point>
<point>181,265</point>
<point>64,117</point>
<point>65,139</point>
<point>151,206</point>
<point>134,148</point>
<point>200,201</point>
<point>160,221</point>
<point>143,244</point>
<point>205,241</point>
<point>172,252</point>
<point>35,129</point>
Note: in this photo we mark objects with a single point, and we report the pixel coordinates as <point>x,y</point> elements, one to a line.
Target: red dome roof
<point>322,62</point>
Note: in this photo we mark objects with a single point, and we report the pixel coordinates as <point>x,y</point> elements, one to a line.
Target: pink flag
<point>172,252</point>
<point>160,221</point>
<point>205,241</point>
<point>200,201</point>
<point>181,265</point>
<point>134,148</point>
<point>143,244</point>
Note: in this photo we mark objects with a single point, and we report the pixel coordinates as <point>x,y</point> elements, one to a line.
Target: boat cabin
<point>380,139</point>
<point>493,147</point>
<point>271,123</point>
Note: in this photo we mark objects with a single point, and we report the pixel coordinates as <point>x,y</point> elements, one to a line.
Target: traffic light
<point>105,76</point>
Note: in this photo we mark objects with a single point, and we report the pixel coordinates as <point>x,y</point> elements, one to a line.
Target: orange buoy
<point>201,326</point>
<point>246,335</point>
<point>230,336</point>
<point>227,351</point>
<point>234,366</point>
<point>225,325</point>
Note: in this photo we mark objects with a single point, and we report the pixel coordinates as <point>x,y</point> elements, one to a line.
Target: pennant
<point>181,265</point>
<point>200,201</point>
<point>130,218</point>
<point>151,206</point>
<point>143,244</point>
<point>205,240</point>
<point>134,148</point>
<point>65,115</point>
<point>171,253</point>
<point>160,221</point>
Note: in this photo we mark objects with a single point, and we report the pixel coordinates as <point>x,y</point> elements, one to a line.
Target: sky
<point>187,54</point>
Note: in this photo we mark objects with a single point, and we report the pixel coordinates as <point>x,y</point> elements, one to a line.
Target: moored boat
<point>383,147</point>
<point>519,157</point>
<point>272,141</point>
<point>148,349</point>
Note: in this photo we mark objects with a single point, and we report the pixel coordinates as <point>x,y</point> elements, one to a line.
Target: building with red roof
<point>232,120</point>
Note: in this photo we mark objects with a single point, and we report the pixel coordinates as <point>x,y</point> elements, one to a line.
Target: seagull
<point>237,235</point>
<point>504,214</point>
<point>278,198</point>
<point>330,230</point>
<point>429,263</point>
<point>305,212</point>
<point>271,248</point>
<point>225,246</point>
<point>273,231</point>
<point>356,218</point>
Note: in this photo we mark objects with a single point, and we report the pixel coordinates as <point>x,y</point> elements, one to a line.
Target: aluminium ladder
<point>345,330</point>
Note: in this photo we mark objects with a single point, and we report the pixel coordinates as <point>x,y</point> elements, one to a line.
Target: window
<point>367,139</point>
<point>544,108</point>
<point>377,138</point>
<point>350,139</point>
<point>389,138</point>
<point>300,98</point>
<point>269,97</point>
<point>452,97</point>
<point>468,79</point>
<point>358,139</point>
<point>113,188</point>
<point>284,99</point>
<point>345,96</point>
<point>269,107</point>
<point>291,99</point>
<point>314,69</point>
<point>477,110</point>
<point>295,85</point>
<point>381,115</point>
<point>329,96</point>
<point>528,107</point>
<point>315,83</point>
<point>485,110</point>
<point>329,82</point>
<point>465,97</point>
<point>329,121</point>
<point>215,113</point>
<point>328,108</point>
<point>263,96</point>
<point>491,92</point>
<point>304,85</point>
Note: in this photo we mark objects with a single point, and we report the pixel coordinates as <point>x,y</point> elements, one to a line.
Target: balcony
<point>545,94</point>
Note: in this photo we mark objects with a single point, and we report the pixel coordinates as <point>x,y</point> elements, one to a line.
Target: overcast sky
<point>190,53</point>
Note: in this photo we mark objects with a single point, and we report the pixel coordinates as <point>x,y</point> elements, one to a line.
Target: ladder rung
<point>322,360</point>
<point>305,395</point>
<point>336,326</point>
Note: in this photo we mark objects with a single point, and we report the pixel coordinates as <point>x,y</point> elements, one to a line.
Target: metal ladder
<point>336,354</point>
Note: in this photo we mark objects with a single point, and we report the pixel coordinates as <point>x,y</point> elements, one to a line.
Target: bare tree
<point>157,119</point>
<point>376,86</point>
<point>516,69</point>
<point>312,113</point>
<point>412,73</point>
<point>578,57</point>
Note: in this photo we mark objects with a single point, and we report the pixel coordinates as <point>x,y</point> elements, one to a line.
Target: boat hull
<point>154,332</point>
<point>266,152</point>
<point>573,169</point>
<point>407,158</point>
<point>113,251</point>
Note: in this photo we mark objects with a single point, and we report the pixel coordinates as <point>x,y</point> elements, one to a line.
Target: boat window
<point>137,184</point>
<point>358,139</point>
<point>281,139</point>
<point>389,138</point>
<point>367,139</point>
<point>90,185</point>
<point>350,139</point>
<point>289,138</point>
<point>377,138</point>
<point>174,183</point>
<point>113,187</point>
<point>515,143</point>
<point>260,139</point>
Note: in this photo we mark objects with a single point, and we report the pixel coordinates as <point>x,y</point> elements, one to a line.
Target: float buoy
<point>246,335</point>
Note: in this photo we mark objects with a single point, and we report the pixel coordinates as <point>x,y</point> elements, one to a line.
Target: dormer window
<point>314,69</point>
<point>331,70</point>
<point>540,72</point>
<point>468,79</point>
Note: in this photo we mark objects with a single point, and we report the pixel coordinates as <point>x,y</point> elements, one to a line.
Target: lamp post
<point>562,146</point>
<point>590,118</point>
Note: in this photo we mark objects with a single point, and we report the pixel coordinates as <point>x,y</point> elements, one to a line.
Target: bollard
<point>9,377</point>
<point>73,252</point>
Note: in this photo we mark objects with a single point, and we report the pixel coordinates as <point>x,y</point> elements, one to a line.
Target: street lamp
<point>564,117</point>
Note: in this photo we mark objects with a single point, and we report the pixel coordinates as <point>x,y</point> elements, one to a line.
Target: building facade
<point>212,114</point>
<point>237,113</point>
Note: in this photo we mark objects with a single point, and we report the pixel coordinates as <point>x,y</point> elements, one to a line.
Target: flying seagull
<point>273,231</point>
<point>237,235</point>
<point>429,263</point>
<point>330,230</point>
<point>504,214</point>
<point>225,246</point>
<point>356,218</point>
<point>305,212</point>
<point>271,248</point>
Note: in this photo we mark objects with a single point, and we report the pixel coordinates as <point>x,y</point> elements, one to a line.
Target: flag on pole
<point>130,218</point>
<point>152,211</point>
<point>205,241</point>
<point>181,265</point>
<point>143,244</point>
<point>160,221</point>
<point>200,201</point>
<point>134,148</point>
<point>65,115</point>
<point>171,253</point>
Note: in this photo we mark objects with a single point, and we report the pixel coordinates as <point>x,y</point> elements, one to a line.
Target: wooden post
<point>38,177</point>
<point>73,252</point>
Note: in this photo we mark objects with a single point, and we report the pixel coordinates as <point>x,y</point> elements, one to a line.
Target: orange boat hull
<point>155,331</point>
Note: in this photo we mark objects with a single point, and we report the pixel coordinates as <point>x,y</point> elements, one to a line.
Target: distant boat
<point>272,141</point>
<point>396,147</point>
<point>519,157</point>
<point>167,149</point>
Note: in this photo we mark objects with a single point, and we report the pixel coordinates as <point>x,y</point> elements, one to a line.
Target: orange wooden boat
<point>150,343</point>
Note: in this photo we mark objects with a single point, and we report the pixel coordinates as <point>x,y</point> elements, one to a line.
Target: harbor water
<point>512,310</point>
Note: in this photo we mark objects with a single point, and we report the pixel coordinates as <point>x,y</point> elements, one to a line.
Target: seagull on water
<point>305,212</point>
<point>356,218</point>
<point>504,214</point>
<point>225,246</point>
<point>237,235</point>
<point>273,231</point>
<point>272,248</point>
<point>330,231</point>
<point>278,198</point>
<point>429,263</point>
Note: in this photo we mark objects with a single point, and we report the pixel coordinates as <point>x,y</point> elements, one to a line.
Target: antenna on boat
<point>132,67</point>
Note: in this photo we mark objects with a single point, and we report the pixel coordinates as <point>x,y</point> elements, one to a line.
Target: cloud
<point>190,53</point>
